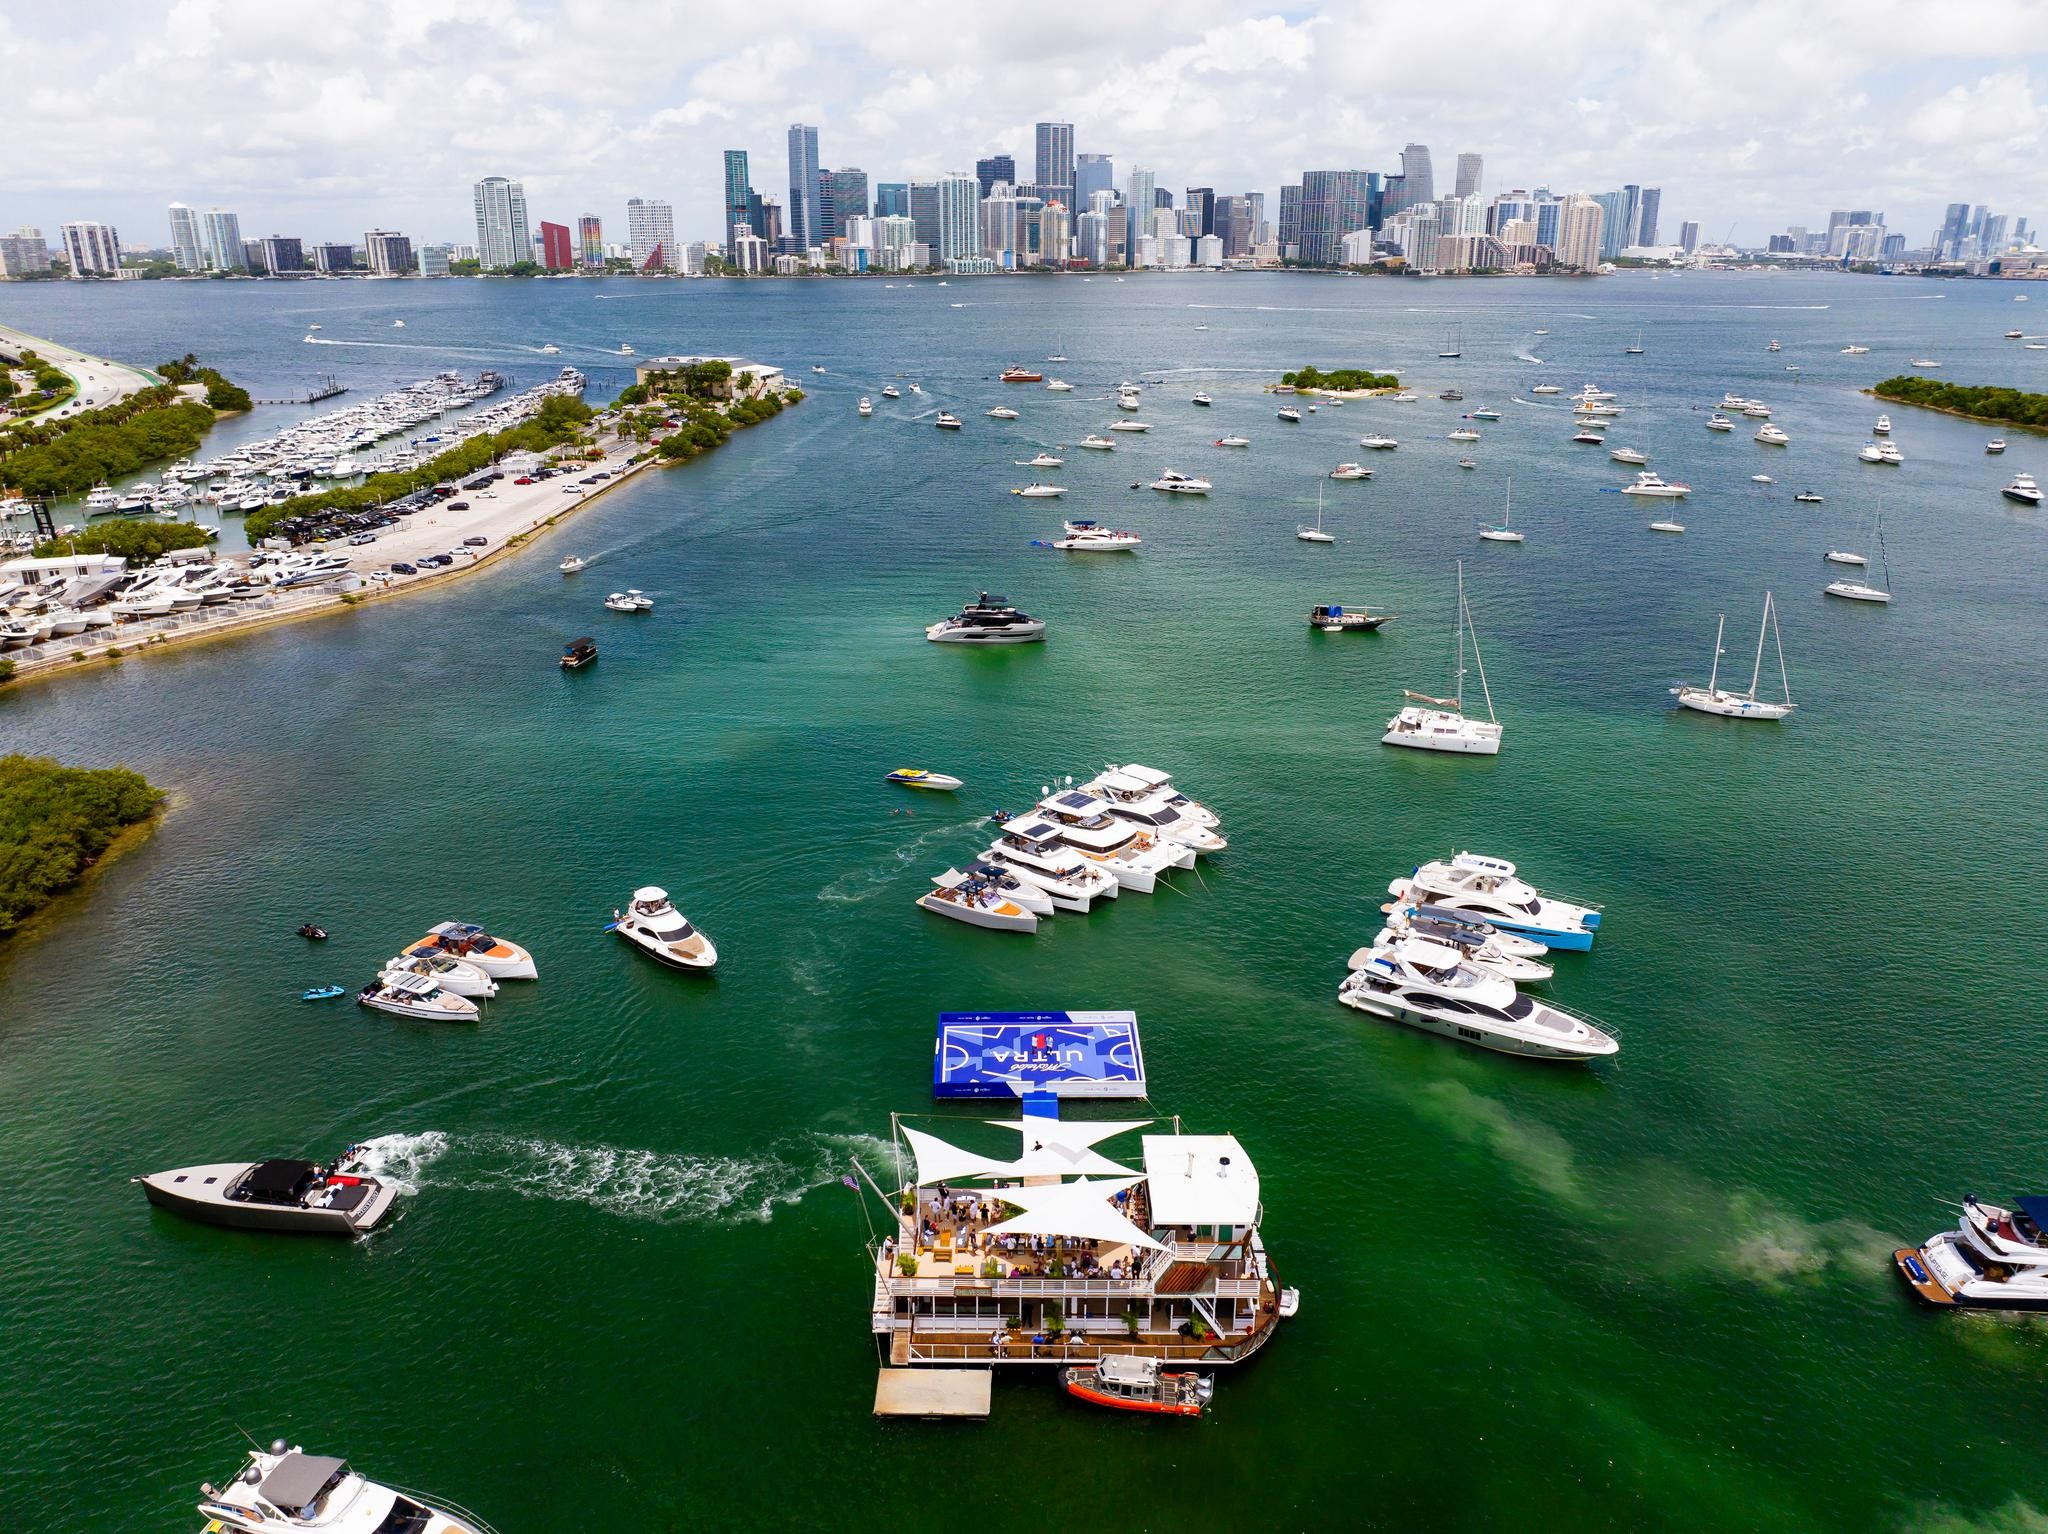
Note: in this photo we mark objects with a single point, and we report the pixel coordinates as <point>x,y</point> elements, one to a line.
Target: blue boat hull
<point>1551,937</point>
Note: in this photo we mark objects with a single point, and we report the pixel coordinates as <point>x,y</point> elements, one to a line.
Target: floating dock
<point>1014,1054</point>
<point>933,1392</point>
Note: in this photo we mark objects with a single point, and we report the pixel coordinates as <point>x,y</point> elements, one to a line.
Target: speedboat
<point>990,620</point>
<point>2023,489</point>
<point>917,777</point>
<point>1762,479</point>
<point>1175,483</point>
<point>1378,443</point>
<point>1089,537</point>
<point>1134,855</point>
<point>1351,471</point>
<point>1001,883</point>
<point>1127,1382</point>
<point>1716,699</point>
<point>1202,399</point>
<point>1036,853</point>
<point>1995,1258</point>
<point>1429,985</point>
<point>653,925</point>
<point>1855,351</point>
<point>947,421</point>
<point>626,602</point>
<point>551,350</point>
<point>1037,492</point>
<point>1041,461</point>
<point>1490,889</point>
<point>1883,428</point>
<point>968,899</point>
<point>418,997</point>
<point>1130,426</point>
<point>289,1489</point>
<point>1546,389</point>
<point>1003,413</point>
<point>573,563</point>
<point>866,406</point>
<point>1589,437</point>
<point>1484,413</point>
<point>456,975</point>
<point>1650,484</point>
<point>1104,444</point>
<point>302,1197</point>
<point>1925,362</point>
<point>1232,442</point>
<point>890,391</point>
<point>1719,422</point>
<point>1881,452</point>
<point>1058,386</point>
<point>1995,446</point>
<point>1483,945</point>
<point>1462,434</point>
<point>496,957</point>
<point>1810,497</point>
<point>1629,455</point>
<point>1289,413</point>
<point>1772,435</point>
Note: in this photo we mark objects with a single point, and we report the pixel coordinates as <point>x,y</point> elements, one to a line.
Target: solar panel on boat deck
<point>1007,1054</point>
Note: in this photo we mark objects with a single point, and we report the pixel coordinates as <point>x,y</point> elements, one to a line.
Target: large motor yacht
<point>1995,1259</point>
<point>495,956</point>
<point>288,1488</point>
<point>1037,854</point>
<point>1115,779</point>
<point>990,620</point>
<point>1157,807</point>
<point>1428,985</point>
<point>281,1195</point>
<point>1650,483</point>
<point>1086,536</point>
<point>1489,888</point>
<point>653,925</point>
<point>1176,483</point>
<point>1135,857</point>
<point>2023,489</point>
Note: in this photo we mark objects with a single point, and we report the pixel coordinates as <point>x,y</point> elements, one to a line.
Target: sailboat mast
<point>1458,687</point>
<point>1714,676</point>
<point>1465,612</point>
<point>1779,638</point>
<point>1757,670</point>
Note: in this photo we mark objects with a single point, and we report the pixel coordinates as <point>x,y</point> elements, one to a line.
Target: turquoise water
<point>1652,1295</point>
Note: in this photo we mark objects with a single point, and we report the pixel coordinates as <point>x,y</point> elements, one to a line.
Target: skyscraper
<point>590,241</point>
<point>1646,215</point>
<point>994,168</point>
<point>847,192</point>
<point>555,254</point>
<point>92,249</point>
<point>186,247</point>
<point>1334,203</point>
<point>1471,168</point>
<point>222,232</point>
<point>1954,225</point>
<point>1139,198</point>
<point>390,255</point>
<point>24,252</point>
<point>1579,233</point>
<point>1290,219</point>
<point>1056,162</point>
<point>1092,173</point>
<point>651,234</point>
<point>1688,237</point>
<point>892,199</point>
<point>924,213</point>
<point>1416,175</point>
<point>804,213</point>
<point>502,235</point>
<point>1202,204</point>
<point>959,210</point>
<point>739,188</point>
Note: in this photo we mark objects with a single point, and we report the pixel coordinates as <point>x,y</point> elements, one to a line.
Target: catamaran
<point>1439,724</point>
<point>1715,699</point>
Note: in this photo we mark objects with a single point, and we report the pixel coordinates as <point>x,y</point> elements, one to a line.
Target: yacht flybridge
<point>1716,699</point>
<point>1995,1258</point>
<point>1136,855</point>
<point>301,1197</point>
<point>653,925</point>
<point>1408,978</point>
<point>1440,724</point>
<point>288,1489</point>
<point>1176,483</point>
<point>989,620</point>
<point>1035,852</point>
<point>1087,536</point>
<point>1488,888</point>
<point>2023,489</point>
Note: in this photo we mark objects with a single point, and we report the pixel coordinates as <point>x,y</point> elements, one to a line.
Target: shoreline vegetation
<point>58,823</point>
<point>43,457</point>
<point>1976,402</point>
<point>1310,380</point>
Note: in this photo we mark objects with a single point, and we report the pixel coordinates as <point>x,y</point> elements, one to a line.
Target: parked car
<point>524,479</point>
<point>362,538</point>
<point>404,569</point>
<point>458,505</point>
<point>477,542</point>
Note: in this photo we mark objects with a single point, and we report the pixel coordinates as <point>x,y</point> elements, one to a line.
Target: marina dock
<point>933,1393</point>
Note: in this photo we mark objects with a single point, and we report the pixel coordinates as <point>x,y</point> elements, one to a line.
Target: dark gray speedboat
<point>282,1195</point>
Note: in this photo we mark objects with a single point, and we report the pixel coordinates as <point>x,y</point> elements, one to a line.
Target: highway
<point>100,382</point>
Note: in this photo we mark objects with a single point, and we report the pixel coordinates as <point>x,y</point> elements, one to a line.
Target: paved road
<point>100,382</point>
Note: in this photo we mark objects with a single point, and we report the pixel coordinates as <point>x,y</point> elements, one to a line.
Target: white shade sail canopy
<point>1075,1209</point>
<point>1046,1153</point>
<point>1201,1180</point>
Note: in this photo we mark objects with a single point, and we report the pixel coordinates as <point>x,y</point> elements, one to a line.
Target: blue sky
<point>323,121</point>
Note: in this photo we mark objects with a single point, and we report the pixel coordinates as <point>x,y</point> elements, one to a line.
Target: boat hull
<point>1727,706</point>
<point>1455,745</point>
<point>1081,1391</point>
<point>979,916</point>
<point>232,1214</point>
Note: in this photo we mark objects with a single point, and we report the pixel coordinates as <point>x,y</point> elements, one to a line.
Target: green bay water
<point>629,1289</point>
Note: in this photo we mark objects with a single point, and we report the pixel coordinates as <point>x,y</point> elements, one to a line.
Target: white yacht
<point>451,975</point>
<point>2023,489</point>
<point>1086,536</point>
<point>1546,389</point>
<point>1440,724</point>
<point>990,620</point>
<point>1883,428</point>
<point>417,997</point>
<point>1490,888</point>
<point>1628,455</point>
<point>890,391</point>
<point>866,406</point>
<point>1855,351</point>
<point>1377,442</point>
<point>1503,533</point>
<point>287,1489</point>
<point>1845,557</point>
<point>1041,460</point>
<point>1886,452</point>
<point>1133,855</point>
<point>1035,852</point>
<point>1995,1258</point>
<point>653,925</point>
<point>1666,525</point>
<point>1520,959</point>
<point>1101,444</point>
<point>1233,441</point>
<point>1037,492</point>
<point>1862,591</point>
<point>1995,446</point>
<point>573,563</point>
<point>629,602</point>
<point>1315,534</point>
<point>947,421</point>
<point>1059,386</point>
<point>1202,398</point>
<point>1757,410</point>
<point>1719,422</point>
<point>1351,471</point>
<point>976,902</point>
<point>1428,985</point>
<point>1176,483</point>
<point>1772,435</point>
<point>1289,413</point>
<point>1130,426</point>
<point>497,957</point>
<point>1003,413</point>
<point>1462,434</point>
<point>1650,484</point>
<point>551,350</point>
<point>1716,699</point>
<point>1116,781</point>
<point>1157,807</point>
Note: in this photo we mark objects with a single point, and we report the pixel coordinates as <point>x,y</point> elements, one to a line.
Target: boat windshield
<point>676,934</point>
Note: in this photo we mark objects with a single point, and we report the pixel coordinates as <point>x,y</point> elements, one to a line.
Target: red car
<point>524,479</point>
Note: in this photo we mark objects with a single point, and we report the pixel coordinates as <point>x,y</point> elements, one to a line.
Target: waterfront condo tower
<point>502,234</point>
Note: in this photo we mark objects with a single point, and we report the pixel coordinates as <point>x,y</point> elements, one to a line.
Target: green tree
<point>54,821</point>
<point>136,541</point>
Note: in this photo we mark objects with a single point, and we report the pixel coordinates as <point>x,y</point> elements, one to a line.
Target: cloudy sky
<point>325,120</point>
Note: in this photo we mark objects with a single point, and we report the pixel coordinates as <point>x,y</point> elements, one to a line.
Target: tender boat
<point>990,620</point>
<point>968,899</point>
<point>1995,1258</point>
<point>947,421</point>
<point>1175,483</point>
<point>1649,483</point>
<point>1716,699</point>
<point>1003,413</point>
<point>1334,618</point>
<point>1429,985</point>
<point>917,777</point>
<point>1440,724</point>
<point>578,653</point>
<point>301,1197</point>
<point>2023,489</point>
<point>653,925</point>
<point>1036,853</point>
<point>1037,492</point>
<point>288,1489</point>
<point>1490,889</point>
<point>499,958</point>
<point>418,997</point>
<point>573,563</point>
<point>1127,1382</point>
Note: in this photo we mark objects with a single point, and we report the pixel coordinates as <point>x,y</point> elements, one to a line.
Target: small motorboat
<point>1232,442</point>
<point>301,1197</point>
<point>1995,446</point>
<point>816,368</point>
<point>418,997</point>
<point>313,932</point>
<point>1037,492</point>
<point>890,391</point>
<point>947,421</point>
<point>1810,497</point>
<point>1289,413</point>
<point>867,406</point>
<point>457,975</point>
<point>1124,1382</point>
<point>1667,527</point>
<point>1203,399</point>
<point>1468,463</point>
<point>1290,1304</point>
<point>1059,386</point>
<point>1003,413</point>
<point>323,993</point>
<point>968,899</point>
<point>629,602</point>
<point>1101,444</point>
<point>918,777</point>
<point>1042,460</point>
<point>578,653</point>
<point>653,925</point>
<point>1351,471</point>
<point>1762,479</point>
<point>573,563</point>
<point>1844,557</point>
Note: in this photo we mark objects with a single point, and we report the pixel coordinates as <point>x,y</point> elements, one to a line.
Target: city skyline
<point>1745,142</point>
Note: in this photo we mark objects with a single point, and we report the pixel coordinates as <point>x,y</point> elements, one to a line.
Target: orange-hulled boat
<point>1126,1383</point>
<point>1022,375</point>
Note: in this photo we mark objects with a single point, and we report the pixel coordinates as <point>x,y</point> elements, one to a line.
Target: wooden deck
<point>933,1392</point>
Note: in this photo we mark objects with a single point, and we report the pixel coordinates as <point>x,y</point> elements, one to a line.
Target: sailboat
<point>1456,346</point>
<point>1503,533</point>
<point>1315,534</point>
<point>1635,350</point>
<point>1440,724</point>
<point>1714,699</point>
<point>1857,591</point>
<point>1059,350</point>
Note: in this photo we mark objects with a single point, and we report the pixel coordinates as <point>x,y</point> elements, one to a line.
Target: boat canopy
<point>277,1177</point>
<point>1429,954</point>
<point>1074,802</point>
<point>2035,1207</point>
<point>1475,862</point>
<point>1201,1180</point>
<point>1047,1154</point>
<point>1075,1209</point>
<point>650,894</point>
<point>1149,775</point>
<point>297,1480</point>
<point>1035,831</point>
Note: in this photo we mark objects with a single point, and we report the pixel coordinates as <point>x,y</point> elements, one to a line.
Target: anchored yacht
<point>1103,444</point>
<point>496,957</point>
<point>653,925</point>
<point>2023,489</point>
<point>1719,422</point>
<point>302,1197</point>
<point>1175,483</point>
<point>1440,724</point>
<point>1038,492</point>
<point>990,620</point>
<point>1428,985</point>
<point>1156,806</point>
<point>1135,856</point>
<point>1772,435</point>
<point>1483,945</point>
<point>456,975</point>
<point>1995,1258</point>
<point>417,997</point>
<point>1084,536</point>
<point>1377,442</point>
<point>289,1489</point>
<point>1490,889</point>
<point>1649,483</point>
<point>974,901</point>
<point>1115,779</point>
<point>1036,853</point>
<point>1716,699</point>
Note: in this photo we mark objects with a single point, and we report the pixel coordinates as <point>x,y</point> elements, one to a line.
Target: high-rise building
<point>590,241</point>
<point>842,194</point>
<point>1417,176</point>
<point>1011,226</point>
<point>1092,173</point>
<point>1201,202</point>
<point>1290,220</point>
<point>1393,199</point>
<point>1056,163</point>
<point>334,257</point>
<point>1623,235</point>
<point>434,260</point>
<point>1471,168</point>
<point>1549,213</point>
<point>1580,236</point>
<point>1055,234</point>
<point>1233,226</point>
<point>892,200</point>
<point>804,212</point>
<point>187,248</point>
<point>1612,235</point>
<point>1334,203</point>
<point>502,234</point>
<point>23,253</point>
<point>651,234</point>
<point>1140,199</point>
<point>1255,206</point>
<point>1091,237</point>
<point>389,255</point>
<point>959,211</point>
<point>1646,215</point>
<point>1689,237</point>
<point>222,233</point>
<point>281,253</point>
<point>924,213</point>
<point>739,190</point>
<point>1954,225</point>
<point>993,168</point>
<point>94,250</point>
<point>556,254</point>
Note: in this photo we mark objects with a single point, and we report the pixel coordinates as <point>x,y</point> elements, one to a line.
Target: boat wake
<point>662,1188</point>
<point>1526,357</point>
<point>861,884</point>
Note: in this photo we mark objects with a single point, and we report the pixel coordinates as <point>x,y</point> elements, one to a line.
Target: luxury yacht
<point>454,975</point>
<point>1719,422</point>
<point>1351,471</point>
<point>1041,461</point>
<point>1089,537</point>
<point>1428,985</point>
<point>297,1196</point>
<point>1772,435</point>
<point>1490,889</point>
<point>1002,883</point>
<point>1104,444</point>
<point>1289,413</point>
<point>2023,489</point>
<point>1883,428</point>
<point>496,957</point>
<point>1037,492</point>
<point>1134,777</point>
<point>1059,386</point>
<point>947,421</point>
<point>1378,442</point>
<point>991,620</point>
<point>1995,1259</point>
<point>1716,699</point>
<point>1628,455</point>
<point>1175,483</point>
<point>1650,484</point>
<point>1003,413</point>
<point>1520,959</point>
<point>289,1489</point>
<point>653,925</point>
<point>1136,856</point>
<point>966,898</point>
<point>1130,426</point>
<point>1202,399</point>
<point>417,996</point>
<point>1036,853</point>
